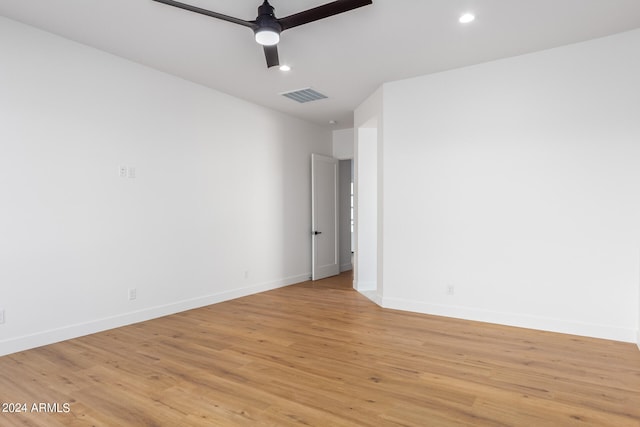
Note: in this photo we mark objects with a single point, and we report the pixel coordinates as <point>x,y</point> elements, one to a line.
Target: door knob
<point>317,232</point>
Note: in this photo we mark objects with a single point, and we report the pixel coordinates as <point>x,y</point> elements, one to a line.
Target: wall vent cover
<point>304,95</point>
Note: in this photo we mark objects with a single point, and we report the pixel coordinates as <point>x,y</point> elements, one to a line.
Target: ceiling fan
<point>267,27</point>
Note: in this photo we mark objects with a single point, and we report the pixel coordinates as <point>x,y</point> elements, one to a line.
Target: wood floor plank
<point>320,354</point>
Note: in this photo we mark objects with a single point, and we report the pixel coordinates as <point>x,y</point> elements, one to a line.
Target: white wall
<point>368,197</point>
<point>366,216</point>
<point>343,144</point>
<point>343,149</point>
<point>344,215</point>
<point>517,182</point>
<point>219,207</point>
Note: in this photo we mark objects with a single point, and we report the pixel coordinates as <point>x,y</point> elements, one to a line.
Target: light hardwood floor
<point>321,354</point>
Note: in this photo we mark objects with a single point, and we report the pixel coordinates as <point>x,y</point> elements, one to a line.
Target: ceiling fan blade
<point>250,24</point>
<point>321,12</point>
<point>271,54</point>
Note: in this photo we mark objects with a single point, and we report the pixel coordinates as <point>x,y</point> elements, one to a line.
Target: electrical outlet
<point>133,294</point>
<point>132,172</point>
<point>451,289</point>
<point>246,274</point>
<point>122,171</point>
<point>1,316</point>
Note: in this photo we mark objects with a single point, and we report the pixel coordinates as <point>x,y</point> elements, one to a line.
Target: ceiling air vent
<point>304,95</point>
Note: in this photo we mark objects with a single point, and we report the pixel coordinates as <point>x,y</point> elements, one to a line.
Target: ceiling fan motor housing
<point>267,22</point>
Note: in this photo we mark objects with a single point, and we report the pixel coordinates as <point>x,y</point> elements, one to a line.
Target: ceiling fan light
<point>267,37</point>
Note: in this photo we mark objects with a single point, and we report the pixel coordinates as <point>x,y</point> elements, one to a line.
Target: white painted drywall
<point>343,144</point>
<point>366,215</point>
<point>344,214</point>
<point>518,182</point>
<point>343,149</point>
<point>219,207</point>
<point>368,184</point>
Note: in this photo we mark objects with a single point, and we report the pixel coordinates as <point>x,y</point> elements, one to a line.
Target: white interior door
<point>324,217</point>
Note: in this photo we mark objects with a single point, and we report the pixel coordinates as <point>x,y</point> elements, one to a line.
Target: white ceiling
<point>346,57</point>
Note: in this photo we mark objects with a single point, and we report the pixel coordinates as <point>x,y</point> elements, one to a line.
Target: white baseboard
<point>39,339</point>
<point>362,286</point>
<point>373,296</point>
<point>638,339</point>
<point>515,319</point>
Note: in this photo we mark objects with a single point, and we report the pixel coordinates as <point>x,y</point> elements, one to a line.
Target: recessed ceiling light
<point>285,68</point>
<point>466,18</point>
